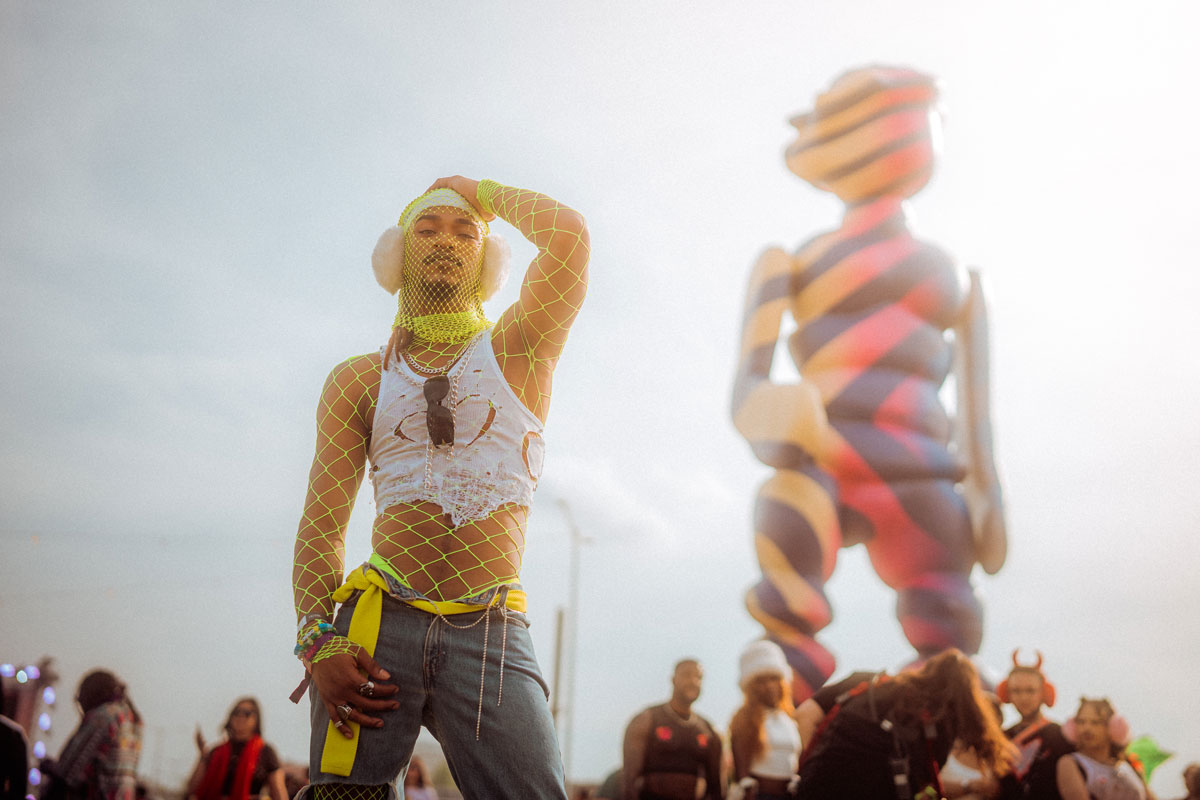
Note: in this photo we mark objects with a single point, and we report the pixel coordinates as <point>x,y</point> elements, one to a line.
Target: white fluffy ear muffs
<point>388,259</point>
<point>496,260</point>
<point>388,262</point>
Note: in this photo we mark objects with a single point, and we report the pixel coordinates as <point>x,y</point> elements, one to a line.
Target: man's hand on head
<point>467,188</point>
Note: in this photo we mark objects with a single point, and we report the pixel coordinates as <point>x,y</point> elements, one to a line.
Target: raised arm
<point>556,280</point>
<point>530,335</point>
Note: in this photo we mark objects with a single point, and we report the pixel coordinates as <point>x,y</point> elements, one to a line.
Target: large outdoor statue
<point>862,447</point>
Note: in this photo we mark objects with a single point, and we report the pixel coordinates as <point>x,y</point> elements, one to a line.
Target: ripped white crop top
<point>498,447</point>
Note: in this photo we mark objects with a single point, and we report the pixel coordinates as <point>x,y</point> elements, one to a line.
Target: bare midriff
<point>442,562</point>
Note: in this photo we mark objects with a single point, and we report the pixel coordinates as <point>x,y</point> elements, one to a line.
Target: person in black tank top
<point>670,751</point>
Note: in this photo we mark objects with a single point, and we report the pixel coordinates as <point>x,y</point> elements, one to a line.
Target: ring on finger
<point>339,724</point>
<point>367,689</point>
<point>344,711</point>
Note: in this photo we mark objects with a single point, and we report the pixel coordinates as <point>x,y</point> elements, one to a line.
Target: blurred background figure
<point>964,777</point>
<point>14,760</point>
<point>241,766</point>
<point>671,752</point>
<point>1191,781</point>
<point>418,785</point>
<point>893,733</point>
<point>99,761</point>
<point>1099,769</point>
<point>1041,742</point>
<point>763,736</point>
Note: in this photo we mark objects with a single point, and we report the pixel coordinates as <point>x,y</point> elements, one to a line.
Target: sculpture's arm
<point>981,487</point>
<point>772,416</point>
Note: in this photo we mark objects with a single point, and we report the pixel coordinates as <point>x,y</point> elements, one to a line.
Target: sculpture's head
<point>872,134</point>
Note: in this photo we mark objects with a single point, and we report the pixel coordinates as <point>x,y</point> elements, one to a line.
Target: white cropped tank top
<point>498,447</point>
<point>782,754</point>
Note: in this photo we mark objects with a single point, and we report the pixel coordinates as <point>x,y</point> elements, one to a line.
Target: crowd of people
<point>932,731</point>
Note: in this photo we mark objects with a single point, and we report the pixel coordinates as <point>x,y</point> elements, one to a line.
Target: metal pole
<point>573,610</point>
<point>556,688</point>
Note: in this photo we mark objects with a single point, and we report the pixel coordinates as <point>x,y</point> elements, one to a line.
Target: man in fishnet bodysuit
<point>449,415</point>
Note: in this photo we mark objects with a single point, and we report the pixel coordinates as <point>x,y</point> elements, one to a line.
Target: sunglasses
<point>439,418</point>
<point>242,712</point>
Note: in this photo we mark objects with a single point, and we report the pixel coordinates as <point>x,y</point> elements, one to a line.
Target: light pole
<point>572,626</point>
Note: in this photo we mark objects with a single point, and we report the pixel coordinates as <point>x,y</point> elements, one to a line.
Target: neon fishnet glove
<point>336,646</point>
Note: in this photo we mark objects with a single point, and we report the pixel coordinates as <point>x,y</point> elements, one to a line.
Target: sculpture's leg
<point>922,548</point>
<point>796,536</point>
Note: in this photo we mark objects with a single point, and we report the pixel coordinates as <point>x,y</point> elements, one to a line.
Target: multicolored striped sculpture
<point>862,448</point>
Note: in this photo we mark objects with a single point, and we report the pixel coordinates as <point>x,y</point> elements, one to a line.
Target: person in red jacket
<point>239,767</point>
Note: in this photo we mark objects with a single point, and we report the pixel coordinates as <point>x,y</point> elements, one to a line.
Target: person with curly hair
<point>890,737</point>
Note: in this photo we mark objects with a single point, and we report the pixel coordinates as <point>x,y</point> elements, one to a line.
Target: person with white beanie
<point>763,735</point>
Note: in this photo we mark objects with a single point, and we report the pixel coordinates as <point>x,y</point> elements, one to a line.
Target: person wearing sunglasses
<point>240,767</point>
<point>449,418</point>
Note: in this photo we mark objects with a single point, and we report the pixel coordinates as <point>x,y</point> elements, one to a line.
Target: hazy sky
<point>191,192</point>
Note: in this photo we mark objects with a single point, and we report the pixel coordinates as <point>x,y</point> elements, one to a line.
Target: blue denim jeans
<point>506,748</point>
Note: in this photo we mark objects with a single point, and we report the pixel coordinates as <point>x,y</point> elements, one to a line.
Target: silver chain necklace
<point>434,371</point>
<point>453,400</point>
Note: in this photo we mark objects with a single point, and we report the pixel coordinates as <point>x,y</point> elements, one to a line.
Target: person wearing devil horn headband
<point>1040,741</point>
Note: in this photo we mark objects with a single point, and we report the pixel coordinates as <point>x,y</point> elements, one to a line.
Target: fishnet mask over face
<point>439,299</point>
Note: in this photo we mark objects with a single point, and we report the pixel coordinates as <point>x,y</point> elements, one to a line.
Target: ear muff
<point>387,261</point>
<point>1049,693</point>
<point>494,271</point>
<point>1118,730</point>
<point>1002,691</point>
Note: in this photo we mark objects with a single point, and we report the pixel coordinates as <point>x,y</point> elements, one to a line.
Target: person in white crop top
<point>763,735</point>
<point>449,418</point>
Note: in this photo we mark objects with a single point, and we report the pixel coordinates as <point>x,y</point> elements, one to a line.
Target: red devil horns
<point>1037,666</point>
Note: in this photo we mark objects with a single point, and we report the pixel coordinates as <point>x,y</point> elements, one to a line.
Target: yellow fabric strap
<point>337,757</point>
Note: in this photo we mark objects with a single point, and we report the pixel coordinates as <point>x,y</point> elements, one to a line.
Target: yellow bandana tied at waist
<point>337,758</point>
